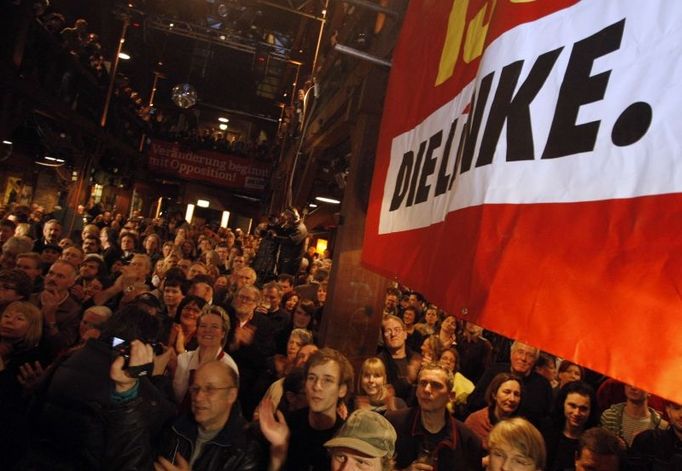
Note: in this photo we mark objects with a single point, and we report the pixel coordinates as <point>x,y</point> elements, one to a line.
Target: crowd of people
<point>140,344</point>
<point>175,126</point>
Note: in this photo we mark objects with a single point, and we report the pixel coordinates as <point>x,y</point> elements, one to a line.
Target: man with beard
<point>61,313</point>
<point>88,282</point>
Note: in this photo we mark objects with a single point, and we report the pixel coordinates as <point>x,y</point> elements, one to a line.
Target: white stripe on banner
<point>592,113</point>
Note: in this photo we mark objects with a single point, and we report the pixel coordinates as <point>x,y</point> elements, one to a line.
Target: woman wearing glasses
<point>213,326</point>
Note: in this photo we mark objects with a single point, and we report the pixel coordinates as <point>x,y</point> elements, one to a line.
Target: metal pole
<point>361,55</point>
<point>319,36</point>
<point>295,86</point>
<point>113,71</point>
<point>153,93</point>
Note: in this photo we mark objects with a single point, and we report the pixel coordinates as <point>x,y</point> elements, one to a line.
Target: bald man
<point>212,437</point>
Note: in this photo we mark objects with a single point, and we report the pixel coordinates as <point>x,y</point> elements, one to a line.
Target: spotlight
<point>5,150</point>
<point>49,161</point>
<point>325,199</point>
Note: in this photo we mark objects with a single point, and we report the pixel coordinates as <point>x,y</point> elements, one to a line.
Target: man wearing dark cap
<point>365,442</point>
<point>50,254</point>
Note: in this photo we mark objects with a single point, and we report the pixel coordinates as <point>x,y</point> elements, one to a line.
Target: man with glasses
<point>245,276</point>
<point>429,438</point>
<point>250,343</point>
<point>212,437</point>
<point>401,362</point>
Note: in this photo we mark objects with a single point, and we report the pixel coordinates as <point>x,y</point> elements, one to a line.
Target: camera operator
<point>70,425</point>
<point>266,257</point>
<point>291,235</point>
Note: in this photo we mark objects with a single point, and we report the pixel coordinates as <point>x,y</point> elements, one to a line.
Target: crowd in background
<point>134,343</point>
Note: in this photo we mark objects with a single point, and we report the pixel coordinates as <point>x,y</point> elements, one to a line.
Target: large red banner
<point>529,176</point>
<point>224,170</point>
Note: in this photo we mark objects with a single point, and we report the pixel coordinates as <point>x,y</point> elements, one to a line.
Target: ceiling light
<point>49,161</point>
<point>203,203</point>
<point>171,25</point>
<point>223,120</point>
<point>123,55</point>
<point>312,205</point>
<point>224,220</point>
<point>222,127</point>
<point>324,199</point>
<point>8,143</point>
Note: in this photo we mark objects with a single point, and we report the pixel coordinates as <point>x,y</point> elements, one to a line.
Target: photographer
<point>266,256</point>
<point>291,235</point>
<point>70,425</point>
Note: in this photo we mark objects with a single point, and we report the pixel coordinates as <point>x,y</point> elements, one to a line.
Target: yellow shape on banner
<point>476,32</point>
<point>453,40</point>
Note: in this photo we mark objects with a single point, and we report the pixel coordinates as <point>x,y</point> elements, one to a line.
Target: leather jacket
<point>236,447</point>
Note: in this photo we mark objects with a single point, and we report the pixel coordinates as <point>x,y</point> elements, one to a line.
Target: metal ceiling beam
<point>292,10</point>
<point>201,33</point>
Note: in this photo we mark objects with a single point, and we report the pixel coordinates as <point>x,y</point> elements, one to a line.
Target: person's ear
<point>343,390</point>
<point>232,394</point>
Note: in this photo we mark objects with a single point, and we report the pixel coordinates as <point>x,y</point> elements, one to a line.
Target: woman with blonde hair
<point>516,444</point>
<point>21,327</point>
<point>213,327</point>
<point>374,392</point>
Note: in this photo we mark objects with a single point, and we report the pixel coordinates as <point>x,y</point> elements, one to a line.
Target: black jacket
<point>69,416</point>
<point>536,396</point>
<point>459,449</point>
<point>130,447</point>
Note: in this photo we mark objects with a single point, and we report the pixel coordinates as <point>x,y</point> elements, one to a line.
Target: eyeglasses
<point>208,390</point>
<point>394,331</point>
<point>246,299</point>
